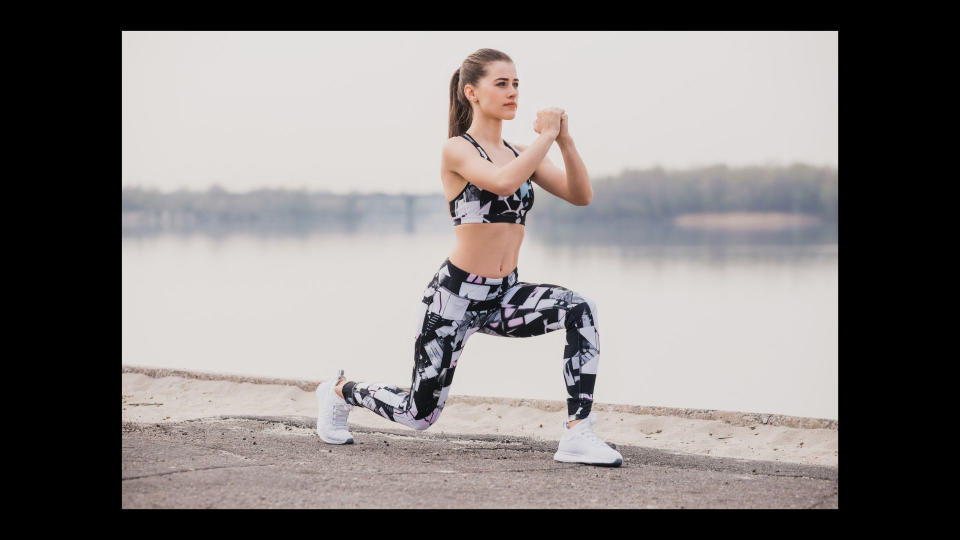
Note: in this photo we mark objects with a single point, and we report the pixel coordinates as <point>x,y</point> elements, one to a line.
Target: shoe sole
<point>573,458</point>
<point>329,441</point>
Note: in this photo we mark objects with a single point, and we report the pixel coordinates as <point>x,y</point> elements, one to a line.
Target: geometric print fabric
<point>457,304</point>
<point>476,205</point>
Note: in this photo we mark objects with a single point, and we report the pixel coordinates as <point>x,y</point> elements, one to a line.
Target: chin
<point>510,115</point>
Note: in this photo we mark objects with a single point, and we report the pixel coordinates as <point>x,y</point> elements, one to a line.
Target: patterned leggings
<point>455,305</point>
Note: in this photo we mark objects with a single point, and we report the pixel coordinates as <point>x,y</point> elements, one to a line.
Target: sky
<point>367,111</point>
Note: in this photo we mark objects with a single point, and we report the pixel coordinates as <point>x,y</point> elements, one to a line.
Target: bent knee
<point>588,300</point>
<point>585,305</point>
<point>592,304</point>
<point>421,424</point>
<point>589,305</point>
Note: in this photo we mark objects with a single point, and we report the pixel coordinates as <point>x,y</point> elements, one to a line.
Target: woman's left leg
<point>533,309</point>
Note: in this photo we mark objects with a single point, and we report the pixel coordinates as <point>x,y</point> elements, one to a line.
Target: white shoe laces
<point>341,409</point>
<point>587,433</point>
<point>340,413</point>
<point>591,436</point>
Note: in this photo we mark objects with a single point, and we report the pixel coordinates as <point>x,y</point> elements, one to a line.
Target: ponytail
<point>470,72</point>
<point>461,113</point>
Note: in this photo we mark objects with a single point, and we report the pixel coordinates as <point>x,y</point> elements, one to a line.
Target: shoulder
<point>455,146</point>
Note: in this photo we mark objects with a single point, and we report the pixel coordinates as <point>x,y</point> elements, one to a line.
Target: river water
<point>697,322</point>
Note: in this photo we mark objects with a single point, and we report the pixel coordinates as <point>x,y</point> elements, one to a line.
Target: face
<point>497,93</point>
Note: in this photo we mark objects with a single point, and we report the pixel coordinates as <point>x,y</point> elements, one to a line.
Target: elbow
<point>503,187</point>
<point>585,202</point>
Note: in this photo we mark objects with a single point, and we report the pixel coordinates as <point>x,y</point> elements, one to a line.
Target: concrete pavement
<point>279,462</point>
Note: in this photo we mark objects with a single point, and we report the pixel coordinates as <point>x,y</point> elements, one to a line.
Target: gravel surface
<point>279,462</point>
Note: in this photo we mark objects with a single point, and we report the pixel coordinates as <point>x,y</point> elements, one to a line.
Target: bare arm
<point>557,182</point>
<point>579,190</point>
<point>462,158</point>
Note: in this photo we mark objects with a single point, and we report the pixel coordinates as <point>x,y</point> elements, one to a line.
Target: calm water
<point>735,326</point>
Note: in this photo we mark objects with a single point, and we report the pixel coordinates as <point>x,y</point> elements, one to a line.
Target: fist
<point>548,120</point>
<point>564,126</point>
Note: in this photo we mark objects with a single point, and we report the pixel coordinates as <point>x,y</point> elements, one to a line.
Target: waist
<point>484,292</point>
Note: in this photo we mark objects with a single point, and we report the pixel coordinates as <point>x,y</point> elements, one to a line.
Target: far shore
<point>746,221</point>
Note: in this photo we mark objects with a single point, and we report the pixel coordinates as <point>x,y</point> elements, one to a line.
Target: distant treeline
<point>217,204</point>
<point>658,194</point>
<point>653,194</point>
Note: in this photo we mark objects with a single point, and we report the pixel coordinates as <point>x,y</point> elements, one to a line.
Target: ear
<point>469,93</point>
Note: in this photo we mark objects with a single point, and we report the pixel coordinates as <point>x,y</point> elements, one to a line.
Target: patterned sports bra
<point>477,205</point>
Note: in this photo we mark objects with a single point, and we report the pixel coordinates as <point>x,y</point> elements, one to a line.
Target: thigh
<point>533,309</point>
<point>444,323</point>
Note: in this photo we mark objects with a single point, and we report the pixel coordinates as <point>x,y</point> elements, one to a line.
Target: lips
<point>514,105</point>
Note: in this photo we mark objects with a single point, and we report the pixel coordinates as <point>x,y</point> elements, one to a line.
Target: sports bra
<point>477,205</point>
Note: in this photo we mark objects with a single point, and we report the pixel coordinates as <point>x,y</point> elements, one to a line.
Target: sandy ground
<point>170,399</point>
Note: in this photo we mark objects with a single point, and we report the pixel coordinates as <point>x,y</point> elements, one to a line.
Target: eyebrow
<point>503,79</point>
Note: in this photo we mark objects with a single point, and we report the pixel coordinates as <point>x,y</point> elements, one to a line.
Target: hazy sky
<point>367,111</point>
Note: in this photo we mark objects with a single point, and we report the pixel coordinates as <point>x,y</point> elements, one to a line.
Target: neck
<point>487,131</point>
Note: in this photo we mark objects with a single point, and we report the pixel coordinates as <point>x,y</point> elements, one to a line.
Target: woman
<point>488,186</point>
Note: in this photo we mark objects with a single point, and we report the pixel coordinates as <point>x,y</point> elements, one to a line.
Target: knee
<point>590,302</point>
<point>594,312</point>
<point>424,423</point>
<point>585,312</point>
<point>421,425</point>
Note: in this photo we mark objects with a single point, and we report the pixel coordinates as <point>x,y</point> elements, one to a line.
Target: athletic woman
<point>487,182</point>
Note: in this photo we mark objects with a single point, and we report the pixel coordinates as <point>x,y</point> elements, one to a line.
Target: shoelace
<point>589,434</point>
<point>340,413</point>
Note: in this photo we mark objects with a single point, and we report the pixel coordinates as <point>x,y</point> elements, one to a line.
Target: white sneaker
<point>580,444</point>
<point>332,412</point>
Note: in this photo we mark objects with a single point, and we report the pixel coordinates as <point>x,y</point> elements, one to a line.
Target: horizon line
<point>217,186</point>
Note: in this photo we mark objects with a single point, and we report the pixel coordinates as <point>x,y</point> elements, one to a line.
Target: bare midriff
<point>487,249</point>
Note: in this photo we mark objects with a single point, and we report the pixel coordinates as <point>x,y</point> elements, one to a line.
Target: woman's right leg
<point>444,323</point>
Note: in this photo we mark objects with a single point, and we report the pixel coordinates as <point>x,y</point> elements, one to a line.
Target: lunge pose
<point>487,182</point>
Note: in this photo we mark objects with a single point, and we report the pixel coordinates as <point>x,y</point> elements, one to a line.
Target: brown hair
<point>470,72</point>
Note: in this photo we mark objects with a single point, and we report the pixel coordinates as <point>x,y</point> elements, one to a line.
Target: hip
<point>453,291</point>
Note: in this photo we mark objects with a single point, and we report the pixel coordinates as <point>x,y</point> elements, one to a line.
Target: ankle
<point>572,423</point>
<point>339,387</point>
